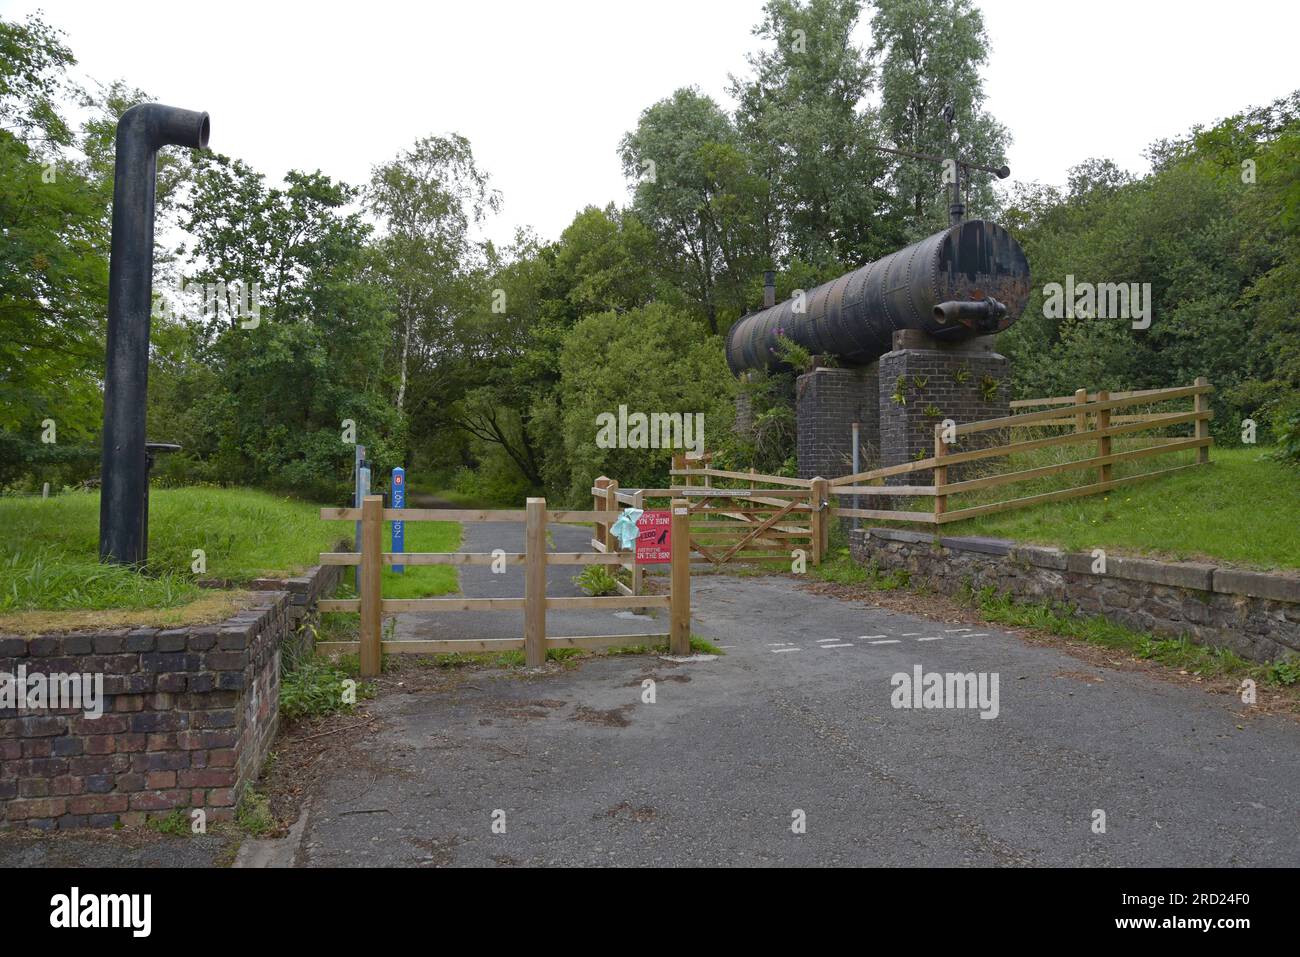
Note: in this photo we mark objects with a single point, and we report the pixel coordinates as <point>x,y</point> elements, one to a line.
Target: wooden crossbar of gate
<point>736,516</point>
<point>372,606</point>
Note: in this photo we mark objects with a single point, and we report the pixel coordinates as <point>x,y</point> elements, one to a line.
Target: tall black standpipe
<point>141,131</point>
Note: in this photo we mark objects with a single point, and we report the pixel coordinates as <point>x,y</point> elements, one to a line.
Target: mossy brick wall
<point>189,715</point>
<point>1255,614</point>
<point>935,385</point>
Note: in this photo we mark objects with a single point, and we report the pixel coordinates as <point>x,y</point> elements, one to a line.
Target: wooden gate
<point>734,516</point>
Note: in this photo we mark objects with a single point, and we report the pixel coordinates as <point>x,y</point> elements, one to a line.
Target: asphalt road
<point>797,717</point>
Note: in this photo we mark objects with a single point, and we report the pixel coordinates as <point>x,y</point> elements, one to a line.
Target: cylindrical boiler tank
<point>970,279</point>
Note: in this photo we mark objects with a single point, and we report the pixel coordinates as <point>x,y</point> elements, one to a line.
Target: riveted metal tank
<point>970,279</point>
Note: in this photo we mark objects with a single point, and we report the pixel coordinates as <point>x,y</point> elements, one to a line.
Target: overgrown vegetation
<point>596,580</point>
<point>1180,653</point>
<point>315,687</point>
<point>48,554</point>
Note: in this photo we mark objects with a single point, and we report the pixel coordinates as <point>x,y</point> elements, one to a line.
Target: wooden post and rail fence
<point>1091,421</point>
<point>752,517</point>
<point>534,604</point>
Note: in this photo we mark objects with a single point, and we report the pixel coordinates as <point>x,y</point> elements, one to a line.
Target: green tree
<point>427,201</point>
<point>650,359</point>
<point>932,100</point>
<point>803,114</point>
<point>695,187</point>
<point>53,268</point>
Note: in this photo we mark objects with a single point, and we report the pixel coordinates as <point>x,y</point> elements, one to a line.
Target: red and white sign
<point>654,543</point>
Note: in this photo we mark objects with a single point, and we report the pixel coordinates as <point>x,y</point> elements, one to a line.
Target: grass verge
<point>1240,509</point>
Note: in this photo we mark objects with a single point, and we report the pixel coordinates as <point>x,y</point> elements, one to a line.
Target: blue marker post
<point>399,527</point>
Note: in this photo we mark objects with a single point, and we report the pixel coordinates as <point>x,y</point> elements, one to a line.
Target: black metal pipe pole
<point>141,131</point>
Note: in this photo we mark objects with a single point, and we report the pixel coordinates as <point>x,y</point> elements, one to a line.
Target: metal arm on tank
<point>957,209</point>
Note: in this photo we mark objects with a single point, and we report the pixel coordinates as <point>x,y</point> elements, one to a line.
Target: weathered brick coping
<point>1256,614</point>
<point>189,714</point>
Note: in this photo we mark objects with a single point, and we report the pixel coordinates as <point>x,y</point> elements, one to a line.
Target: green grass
<point>50,547</point>
<point>254,813</point>
<point>1241,509</point>
<point>423,581</point>
<point>177,823</point>
<point>840,568</point>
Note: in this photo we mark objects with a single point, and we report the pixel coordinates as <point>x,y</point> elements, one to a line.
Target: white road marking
<point>891,641</point>
<point>865,637</point>
<point>777,651</point>
<point>847,644</point>
<point>820,640</point>
<point>953,631</point>
<point>977,634</point>
<point>910,634</point>
<point>932,638</point>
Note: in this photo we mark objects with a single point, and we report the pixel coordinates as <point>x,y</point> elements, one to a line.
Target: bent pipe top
<point>969,279</point>
<point>141,132</point>
<point>980,315</point>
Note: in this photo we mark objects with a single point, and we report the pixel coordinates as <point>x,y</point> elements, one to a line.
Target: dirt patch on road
<point>636,682</point>
<point>612,718</point>
<point>624,811</point>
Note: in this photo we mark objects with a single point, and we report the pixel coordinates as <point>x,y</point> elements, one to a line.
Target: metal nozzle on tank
<point>982,315</point>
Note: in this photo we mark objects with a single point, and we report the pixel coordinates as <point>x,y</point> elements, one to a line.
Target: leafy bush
<point>315,687</point>
<point>596,580</point>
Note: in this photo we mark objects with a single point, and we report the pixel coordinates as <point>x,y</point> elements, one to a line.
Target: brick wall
<point>828,402</point>
<point>965,386</point>
<point>188,715</point>
<point>1255,614</point>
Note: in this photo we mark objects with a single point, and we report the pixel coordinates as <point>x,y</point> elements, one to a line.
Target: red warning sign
<point>654,543</point>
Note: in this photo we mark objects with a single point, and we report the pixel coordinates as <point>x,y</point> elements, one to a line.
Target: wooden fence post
<point>535,583</point>
<point>940,473</point>
<point>1201,403</point>
<point>372,525</point>
<point>598,504</point>
<point>612,543</point>
<point>638,573</point>
<point>820,518</point>
<point>679,610</point>
<point>1081,418</point>
<point>1103,443</point>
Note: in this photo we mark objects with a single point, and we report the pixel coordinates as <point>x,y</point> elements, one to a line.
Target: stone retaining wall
<point>188,714</point>
<point>1255,614</point>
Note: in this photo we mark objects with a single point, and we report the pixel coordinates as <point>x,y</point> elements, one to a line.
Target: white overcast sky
<point>544,91</point>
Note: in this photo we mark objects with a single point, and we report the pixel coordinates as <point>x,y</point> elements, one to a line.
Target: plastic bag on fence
<point>625,527</point>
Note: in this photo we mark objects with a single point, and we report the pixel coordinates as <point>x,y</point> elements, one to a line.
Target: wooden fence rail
<point>372,606</point>
<point>1105,426</point>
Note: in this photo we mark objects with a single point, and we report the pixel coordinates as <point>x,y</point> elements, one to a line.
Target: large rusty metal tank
<point>971,279</point>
